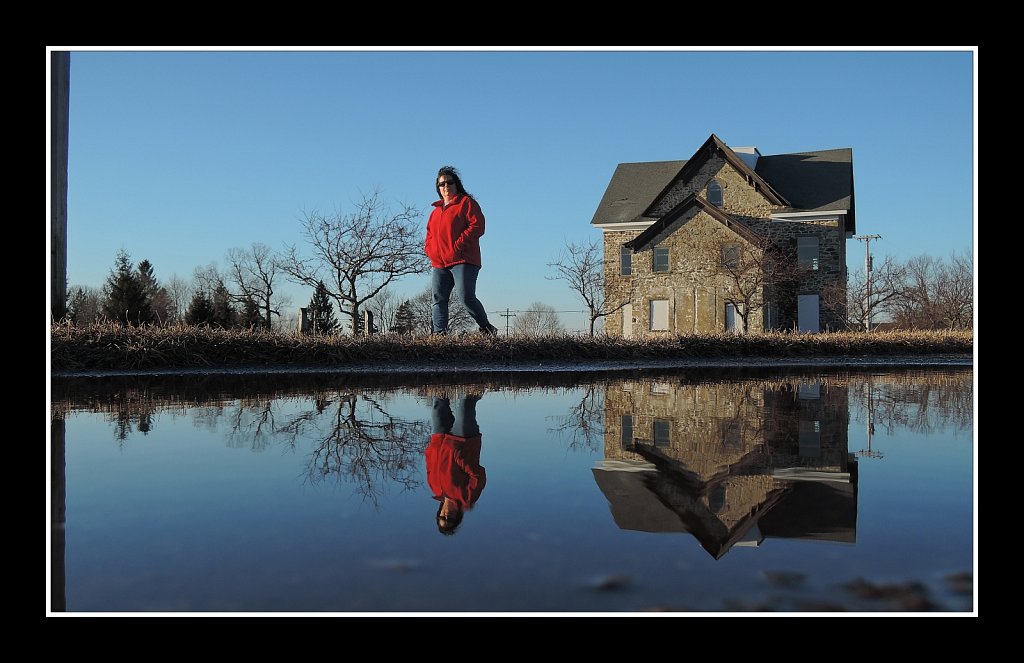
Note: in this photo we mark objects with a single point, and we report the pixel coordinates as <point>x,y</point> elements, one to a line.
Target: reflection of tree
<point>251,424</point>
<point>923,404</point>
<point>583,425</point>
<point>363,443</point>
<point>127,421</point>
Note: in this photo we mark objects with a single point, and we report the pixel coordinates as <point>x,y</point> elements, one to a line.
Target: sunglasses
<point>445,183</point>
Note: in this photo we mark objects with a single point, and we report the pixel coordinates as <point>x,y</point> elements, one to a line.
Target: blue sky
<point>179,156</point>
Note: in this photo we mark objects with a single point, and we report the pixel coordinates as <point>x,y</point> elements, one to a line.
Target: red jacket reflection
<point>453,468</point>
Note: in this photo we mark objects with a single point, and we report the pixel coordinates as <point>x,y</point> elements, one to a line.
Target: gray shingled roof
<point>810,181</point>
<point>632,188</point>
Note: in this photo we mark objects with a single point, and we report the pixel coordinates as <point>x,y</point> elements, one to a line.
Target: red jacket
<point>453,468</point>
<point>453,233</point>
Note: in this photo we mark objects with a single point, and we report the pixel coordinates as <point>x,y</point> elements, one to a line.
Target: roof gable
<point>692,202</point>
<point>711,147</point>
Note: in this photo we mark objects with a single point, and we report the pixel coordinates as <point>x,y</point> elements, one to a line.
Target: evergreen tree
<point>83,305</point>
<point>321,312</point>
<point>200,310</point>
<point>124,296</point>
<point>158,297</point>
<point>147,279</point>
<point>224,314</point>
<point>251,316</point>
<point>405,319</point>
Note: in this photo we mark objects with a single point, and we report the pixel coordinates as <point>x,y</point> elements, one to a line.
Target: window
<point>771,312</point>
<point>809,391</point>
<point>662,433</point>
<point>627,432</point>
<point>807,252</point>
<point>731,435</point>
<point>659,315</point>
<point>625,260</point>
<point>810,439</point>
<point>731,256</point>
<point>660,259</point>
<point>715,195</point>
<point>716,498</point>
<point>660,388</point>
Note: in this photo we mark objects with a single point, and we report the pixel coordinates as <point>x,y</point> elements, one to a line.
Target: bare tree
<point>207,280</point>
<point>884,282</point>
<point>422,311</point>
<point>582,267</point>
<point>252,272</point>
<point>955,291</point>
<point>357,255</point>
<point>180,294</point>
<point>936,294</point>
<point>384,305</point>
<point>539,319</point>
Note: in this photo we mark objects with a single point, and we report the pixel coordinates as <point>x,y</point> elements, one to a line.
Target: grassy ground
<point>113,347</point>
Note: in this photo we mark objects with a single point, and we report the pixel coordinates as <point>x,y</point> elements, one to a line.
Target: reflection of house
<point>730,462</point>
<point>728,235</point>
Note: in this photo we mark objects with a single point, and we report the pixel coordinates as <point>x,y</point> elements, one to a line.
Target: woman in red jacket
<point>453,246</point>
<point>454,473</point>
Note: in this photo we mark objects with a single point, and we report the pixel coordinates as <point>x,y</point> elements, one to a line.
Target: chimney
<point>748,154</point>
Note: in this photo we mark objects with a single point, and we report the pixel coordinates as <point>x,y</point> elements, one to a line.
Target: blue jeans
<point>461,423</point>
<point>463,279</point>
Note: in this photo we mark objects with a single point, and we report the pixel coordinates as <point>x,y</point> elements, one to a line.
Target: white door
<point>807,313</point>
<point>627,321</point>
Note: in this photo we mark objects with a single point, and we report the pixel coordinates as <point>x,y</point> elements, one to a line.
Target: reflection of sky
<point>179,519</point>
<point>929,478</point>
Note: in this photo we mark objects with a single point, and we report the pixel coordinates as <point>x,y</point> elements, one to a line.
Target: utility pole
<point>507,314</point>
<point>867,276</point>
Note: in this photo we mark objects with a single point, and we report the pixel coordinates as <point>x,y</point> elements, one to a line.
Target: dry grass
<point>113,347</point>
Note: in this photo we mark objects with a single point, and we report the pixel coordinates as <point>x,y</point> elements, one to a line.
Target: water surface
<point>803,490</point>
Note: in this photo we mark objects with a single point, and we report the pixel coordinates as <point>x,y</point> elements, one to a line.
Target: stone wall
<point>712,427</point>
<point>694,288</point>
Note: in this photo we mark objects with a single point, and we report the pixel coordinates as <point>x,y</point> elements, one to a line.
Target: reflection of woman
<point>453,460</point>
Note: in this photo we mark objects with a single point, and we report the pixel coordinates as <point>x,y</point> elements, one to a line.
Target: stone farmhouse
<point>728,240</point>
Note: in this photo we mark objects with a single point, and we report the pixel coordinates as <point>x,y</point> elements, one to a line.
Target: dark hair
<point>451,522</point>
<point>454,174</point>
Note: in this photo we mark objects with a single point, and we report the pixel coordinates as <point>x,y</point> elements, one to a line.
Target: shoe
<point>489,330</point>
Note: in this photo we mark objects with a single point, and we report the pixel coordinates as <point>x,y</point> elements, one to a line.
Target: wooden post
<point>303,320</point>
<point>60,90</point>
<point>367,322</point>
